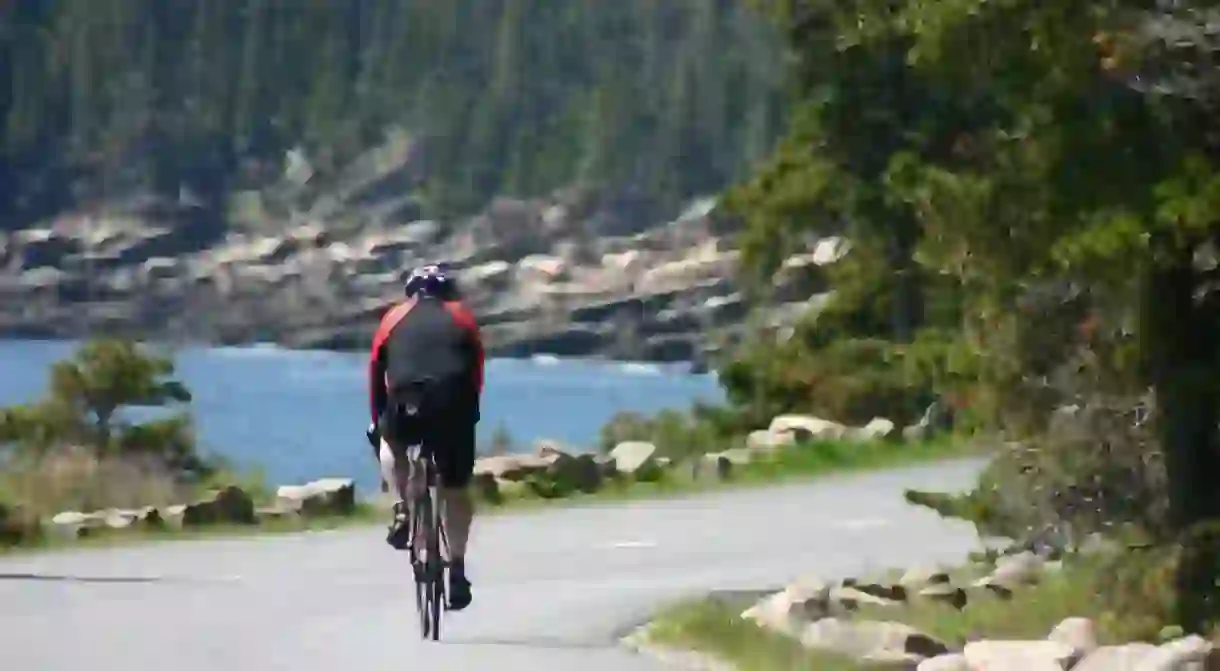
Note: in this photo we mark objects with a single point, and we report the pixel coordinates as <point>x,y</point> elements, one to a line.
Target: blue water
<point>302,414</point>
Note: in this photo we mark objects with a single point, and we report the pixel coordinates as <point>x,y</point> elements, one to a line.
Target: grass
<point>793,464</point>
<point>713,624</point>
<point>77,487</point>
<point>77,481</point>
<point>365,514</point>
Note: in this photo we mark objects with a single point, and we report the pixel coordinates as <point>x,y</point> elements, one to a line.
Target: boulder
<point>548,449</point>
<point>764,440</point>
<point>920,577</point>
<point>607,466</point>
<point>871,641</point>
<point>790,610</point>
<point>575,473</point>
<point>1185,654</point>
<point>228,505</point>
<point>328,496</point>
<point>75,524</point>
<point>633,456</point>
<point>1013,571</point>
<point>722,462</point>
<point>1077,633</point>
<point>879,428</point>
<point>945,593</point>
<point>953,661</point>
<point>147,517</point>
<point>174,516</point>
<point>806,428</point>
<point>1019,655</point>
<point>511,466</point>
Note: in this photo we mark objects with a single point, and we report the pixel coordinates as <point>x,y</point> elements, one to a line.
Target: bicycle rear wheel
<point>422,520</point>
<point>436,565</point>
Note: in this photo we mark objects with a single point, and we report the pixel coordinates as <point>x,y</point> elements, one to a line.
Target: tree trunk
<point>1181,343</point>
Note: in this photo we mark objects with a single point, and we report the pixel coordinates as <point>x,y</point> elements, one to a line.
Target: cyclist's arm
<point>378,394</point>
<point>465,319</point>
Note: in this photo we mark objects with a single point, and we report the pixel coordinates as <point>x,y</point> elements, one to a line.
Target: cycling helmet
<point>431,280</point>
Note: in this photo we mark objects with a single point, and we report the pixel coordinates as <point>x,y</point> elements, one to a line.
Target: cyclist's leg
<point>455,459</point>
<point>397,472</point>
<point>456,462</point>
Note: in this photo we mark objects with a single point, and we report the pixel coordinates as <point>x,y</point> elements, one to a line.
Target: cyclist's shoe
<point>459,586</point>
<point>399,536</point>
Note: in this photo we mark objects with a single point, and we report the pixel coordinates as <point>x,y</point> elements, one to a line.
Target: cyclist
<point>429,335</point>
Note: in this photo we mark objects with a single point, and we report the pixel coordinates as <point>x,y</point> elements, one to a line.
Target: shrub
<point>676,434</point>
<point>78,447</point>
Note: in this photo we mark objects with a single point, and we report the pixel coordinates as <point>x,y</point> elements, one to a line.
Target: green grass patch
<point>713,626</point>
<point>793,464</point>
<point>364,514</point>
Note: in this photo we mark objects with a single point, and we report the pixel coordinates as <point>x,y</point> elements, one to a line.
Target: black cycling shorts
<point>444,422</point>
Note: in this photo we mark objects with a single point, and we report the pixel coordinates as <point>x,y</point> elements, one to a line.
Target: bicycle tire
<point>436,569</point>
<point>420,574</point>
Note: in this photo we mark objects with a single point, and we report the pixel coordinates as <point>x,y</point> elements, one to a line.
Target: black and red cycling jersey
<point>424,338</point>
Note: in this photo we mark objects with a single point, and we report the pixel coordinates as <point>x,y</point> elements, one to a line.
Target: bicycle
<point>430,571</point>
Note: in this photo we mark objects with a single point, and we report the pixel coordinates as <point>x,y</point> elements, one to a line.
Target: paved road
<point>554,589</point>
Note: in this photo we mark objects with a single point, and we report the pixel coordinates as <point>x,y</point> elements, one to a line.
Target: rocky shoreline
<point>540,274</point>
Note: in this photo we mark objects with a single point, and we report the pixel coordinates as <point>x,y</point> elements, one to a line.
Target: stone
<point>227,505</point>
<point>852,598</point>
<point>1184,654</point>
<point>1127,657</point>
<point>723,464</point>
<point>548,449</point>
<point>75,524</point>
<point>807,428</point>
<point>632,456</point>
<point>919,577</point>
<point>579,473</point>
<point>764,440</point>
<point>787,611</point>
<point>954,661</point>
<point>1011,572</point>
<point>867,640</point>
<point>511,466</point>
<point>879,428</point>
<point>328,496</point>
<point>1077,632</point>
<point>945,593</point>
<point>1018,655</point>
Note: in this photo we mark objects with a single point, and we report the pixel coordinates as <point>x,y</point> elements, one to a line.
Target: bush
<point>1095,469</point>
<point>676,434</point>
<point>78,446</point>
<point>78,480</point>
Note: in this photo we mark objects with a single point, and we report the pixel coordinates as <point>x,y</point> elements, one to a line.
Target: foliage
<point>663,100</point>
<point>676,434</point>
<point>87,405</point>
<point>1046,175</point>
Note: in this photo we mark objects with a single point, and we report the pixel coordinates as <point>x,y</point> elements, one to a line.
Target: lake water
<point>302,414</point>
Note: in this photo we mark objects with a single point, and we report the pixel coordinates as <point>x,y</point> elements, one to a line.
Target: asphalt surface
<point>553,589</point>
